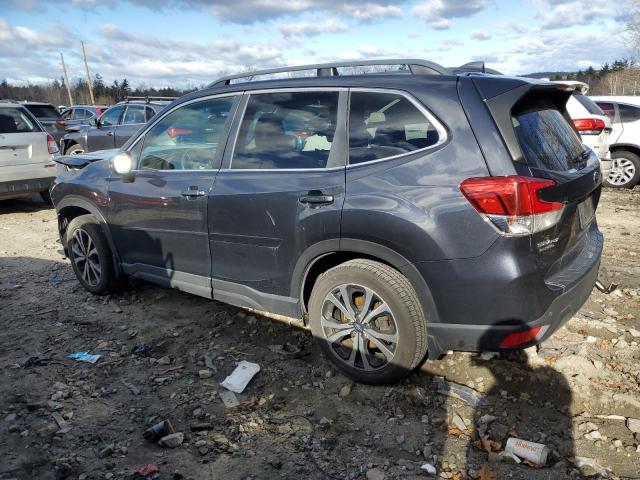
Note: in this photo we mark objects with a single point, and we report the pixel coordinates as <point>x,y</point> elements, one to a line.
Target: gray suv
<point>399,215</point>
<point>112,128</point>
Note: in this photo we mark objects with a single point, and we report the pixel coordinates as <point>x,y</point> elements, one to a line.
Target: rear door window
<point>384,125</point>
<point>547,140</point>
<point>15,120</point>
<point>111,117</point>
<point>628,113</point>
<point>286,130</point>
<point>134,115</point>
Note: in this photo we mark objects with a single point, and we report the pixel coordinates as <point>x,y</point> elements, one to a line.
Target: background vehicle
<point>26,154</point>
<point>624,113</point>
<point>114,127</point>
<point>591,122</point>
<point>394,237</point>
<point>82,114</point>
<point>49,117</point>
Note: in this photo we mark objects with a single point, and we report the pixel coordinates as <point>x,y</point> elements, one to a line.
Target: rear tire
<point>625,171</point>
<point>74,150</point>
<point>90,255</point>
<point>379,334</point>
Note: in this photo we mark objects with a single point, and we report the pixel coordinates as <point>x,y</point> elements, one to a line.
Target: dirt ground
<point>298,418</point>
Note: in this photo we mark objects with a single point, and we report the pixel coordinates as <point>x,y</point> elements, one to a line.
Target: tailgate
<point>23,149</point>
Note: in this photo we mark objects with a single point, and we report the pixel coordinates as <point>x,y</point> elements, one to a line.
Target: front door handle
<point>193,192</point>
<point>316,198</point>
<point>110,133</point>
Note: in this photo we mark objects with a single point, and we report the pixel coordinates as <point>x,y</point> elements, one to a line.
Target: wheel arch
<point>629,147</point>
<point>327,254</point>
<point>72,207</point>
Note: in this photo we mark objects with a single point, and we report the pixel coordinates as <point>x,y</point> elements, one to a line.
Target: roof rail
<point>148,99</point>
<point>473,68</point>
<point>416,67</point>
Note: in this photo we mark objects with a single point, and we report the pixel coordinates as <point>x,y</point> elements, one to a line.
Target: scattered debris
<point>84,357</point>
<point>208,362</point>
<point>36,362</point>
<point>205,373</point>
<point>241,376</point>
<point>633,424</point>
<point>592,463</point>
<point>158,431</point>
<point>229,398</point>
<point>536,453</point>
<point>173,440</point>
<point>461,392</point>
<point>147,472</point>
<point>345,391</point>
<point>430,469</point>
<point>132,388</point>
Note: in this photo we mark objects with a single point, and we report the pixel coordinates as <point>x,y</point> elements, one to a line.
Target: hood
<point>84,159</point>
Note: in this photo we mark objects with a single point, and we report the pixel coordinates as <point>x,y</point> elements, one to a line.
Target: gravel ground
<point>578,393</point>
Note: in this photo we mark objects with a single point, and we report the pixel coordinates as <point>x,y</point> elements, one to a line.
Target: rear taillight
<point>52,146</point>
<point>512,204</point>
<point>589,126</point>
<point>518,339</point>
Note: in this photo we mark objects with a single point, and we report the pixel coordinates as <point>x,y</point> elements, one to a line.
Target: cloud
<point>564,14</point>
<point>371,11</point>
<point>480,35</point>
<point>438,13</point>
<point>309,29</point>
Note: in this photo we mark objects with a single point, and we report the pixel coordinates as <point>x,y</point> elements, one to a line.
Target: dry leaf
<point>485,443</point>
<point>455,431</point>
<point>485,473</point>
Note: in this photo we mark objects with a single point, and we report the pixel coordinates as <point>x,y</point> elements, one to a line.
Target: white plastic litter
<point>241,376</point>
<point>229,398</point>
<point>536,453</point>
<point>430,469</point>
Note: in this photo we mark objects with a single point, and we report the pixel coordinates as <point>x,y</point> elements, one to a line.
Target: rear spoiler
<point>501,94</point>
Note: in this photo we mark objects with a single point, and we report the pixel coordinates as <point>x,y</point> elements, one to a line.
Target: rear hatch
<point>544,145</point>
<point>21,140</point>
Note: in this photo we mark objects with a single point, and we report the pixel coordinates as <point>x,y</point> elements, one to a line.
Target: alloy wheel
<point>622,171</point>
<point>85,256</point>
<point>359,327</point>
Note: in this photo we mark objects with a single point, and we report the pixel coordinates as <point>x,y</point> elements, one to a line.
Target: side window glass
<point>149,113</point>
<point>187,138</point>
<point>111,117</point>
<point>384,125</point>
<point>286,130</point>
<point>134,115</point>
<point>628,113</point>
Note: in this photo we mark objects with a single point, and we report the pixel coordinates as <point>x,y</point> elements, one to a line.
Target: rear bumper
<point>570,290</point>
<point>17,188</point>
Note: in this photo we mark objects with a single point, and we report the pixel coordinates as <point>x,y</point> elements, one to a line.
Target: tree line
<point>55,92</point>
<point>622,77</point>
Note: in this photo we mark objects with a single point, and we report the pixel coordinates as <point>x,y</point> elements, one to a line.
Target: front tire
<point>90,254</point>
<point>625,170</point>
<point>368,320</point>
<point>74,150</point>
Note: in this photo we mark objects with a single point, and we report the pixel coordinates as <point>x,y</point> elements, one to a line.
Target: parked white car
<point>593,125</point>
<point>624,112</point>
<point>26,154</point>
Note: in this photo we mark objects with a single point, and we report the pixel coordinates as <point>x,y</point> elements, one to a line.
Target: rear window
<point>16,120</point>
<point>589,104</point>
<point>43,111</point>
<point>628,113</point>
<point>547,140</point>
<point>608,109</point>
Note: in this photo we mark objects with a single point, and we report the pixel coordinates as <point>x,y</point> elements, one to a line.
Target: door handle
<point>193,192</point>
<point>318,198</point>
<point>110,133</point>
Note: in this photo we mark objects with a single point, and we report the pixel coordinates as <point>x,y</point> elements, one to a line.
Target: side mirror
<point>94,122</point>
<point>123,164</point>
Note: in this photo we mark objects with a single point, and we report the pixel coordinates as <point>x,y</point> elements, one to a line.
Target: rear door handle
<point>110,133</point>
<point>316,199</point>
<point>193,192</point>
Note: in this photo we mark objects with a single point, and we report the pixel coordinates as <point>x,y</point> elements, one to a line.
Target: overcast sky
<point>191,42</point>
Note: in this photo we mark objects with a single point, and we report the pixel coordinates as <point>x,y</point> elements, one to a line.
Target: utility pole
<point>66,79</point>
<point>86,67</point>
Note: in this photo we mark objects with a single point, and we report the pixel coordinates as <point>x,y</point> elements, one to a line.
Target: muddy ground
<point>298,418</point>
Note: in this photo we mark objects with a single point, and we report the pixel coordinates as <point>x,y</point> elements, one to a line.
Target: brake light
<point>61,122</point>
<point>589,126</point>
<point>99,111</point>
<point>512,204</point>
<point>52,146</point>
<point>517,339</point>
<point>173,132</point>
